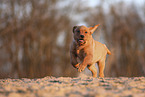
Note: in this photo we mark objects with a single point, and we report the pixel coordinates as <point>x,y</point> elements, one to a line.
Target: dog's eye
<point>86,32</point>
<point>78,31</point>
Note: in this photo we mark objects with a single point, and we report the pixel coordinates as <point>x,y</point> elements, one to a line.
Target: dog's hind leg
<point>93,69</point>
<point>101,67</point>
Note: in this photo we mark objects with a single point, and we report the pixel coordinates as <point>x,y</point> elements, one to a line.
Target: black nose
<point>82,36</point>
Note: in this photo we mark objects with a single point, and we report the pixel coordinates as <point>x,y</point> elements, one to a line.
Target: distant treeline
<point>35,37</point>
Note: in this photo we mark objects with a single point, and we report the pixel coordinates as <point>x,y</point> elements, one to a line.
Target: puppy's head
<point>83,34</point>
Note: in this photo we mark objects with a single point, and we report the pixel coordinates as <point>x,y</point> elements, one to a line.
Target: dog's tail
<point>108,51</point>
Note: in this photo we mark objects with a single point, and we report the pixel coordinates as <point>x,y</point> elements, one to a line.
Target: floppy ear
<point>92,29</point>
<point>74,28</point>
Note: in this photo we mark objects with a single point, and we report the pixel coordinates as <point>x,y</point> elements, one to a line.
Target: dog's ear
<point>74,28</point>
<point>92,29</point>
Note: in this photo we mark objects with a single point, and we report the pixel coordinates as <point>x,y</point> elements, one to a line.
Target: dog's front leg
<point>73,56</point>
<point>73,60</point>
<point>87,60</point>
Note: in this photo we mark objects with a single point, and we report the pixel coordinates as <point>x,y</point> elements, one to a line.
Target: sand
<point>73,87</point>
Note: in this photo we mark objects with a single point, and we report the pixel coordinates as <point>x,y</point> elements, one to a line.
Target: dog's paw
<point>76,66</point>
<point>81,68</point>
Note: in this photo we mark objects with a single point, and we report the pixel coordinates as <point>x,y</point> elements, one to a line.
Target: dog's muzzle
<point>81,41</point>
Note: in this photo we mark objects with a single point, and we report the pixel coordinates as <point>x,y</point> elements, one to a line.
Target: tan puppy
<point>85,51</point>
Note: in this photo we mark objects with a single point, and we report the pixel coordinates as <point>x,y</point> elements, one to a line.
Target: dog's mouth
<point>81,41</point>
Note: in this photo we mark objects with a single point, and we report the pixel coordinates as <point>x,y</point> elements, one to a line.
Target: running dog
<point>85,51</point>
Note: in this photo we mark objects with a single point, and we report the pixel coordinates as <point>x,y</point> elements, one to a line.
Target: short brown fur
<point>85,51</point>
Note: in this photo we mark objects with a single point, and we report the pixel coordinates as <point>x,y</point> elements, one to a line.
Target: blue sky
<point>106,5</point>
<point>95,2</point>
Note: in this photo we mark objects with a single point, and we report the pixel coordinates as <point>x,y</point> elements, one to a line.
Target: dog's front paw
<point>76,66</point>
<point>81,67</point>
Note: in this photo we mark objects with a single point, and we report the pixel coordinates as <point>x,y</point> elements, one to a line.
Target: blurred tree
<point>29,31</point>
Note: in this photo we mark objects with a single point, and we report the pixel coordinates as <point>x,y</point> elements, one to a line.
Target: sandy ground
<point>73,87</point>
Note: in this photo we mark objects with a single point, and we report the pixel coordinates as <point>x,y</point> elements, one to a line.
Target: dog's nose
<point>82,36</point>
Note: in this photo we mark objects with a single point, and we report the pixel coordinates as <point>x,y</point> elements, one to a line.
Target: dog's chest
<point>81,54</point>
